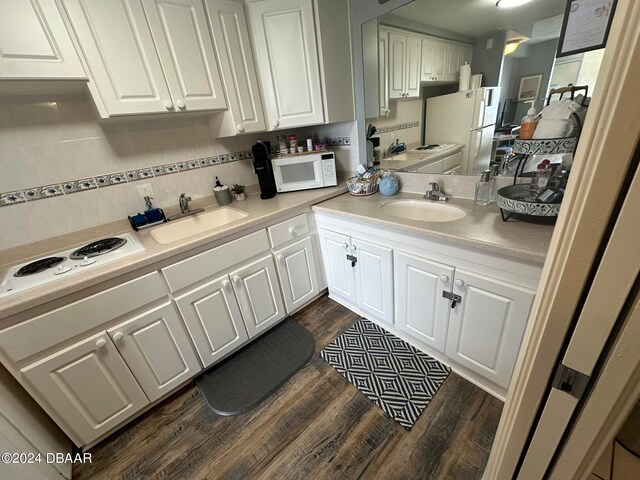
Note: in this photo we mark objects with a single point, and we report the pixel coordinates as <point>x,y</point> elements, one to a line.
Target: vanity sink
<point>423,211</point>
<point>189,226</point>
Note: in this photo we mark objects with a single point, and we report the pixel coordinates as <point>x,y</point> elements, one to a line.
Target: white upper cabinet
<point>183,41</point>
<point>229,28</point>
<point>34,43</point>
<point>458,55</point>
<point>147,60</point>
<point>303,50</point>
<point>383,73</point>
<point>434,60</point>
<point>285,43</point>
<point>404,73</point>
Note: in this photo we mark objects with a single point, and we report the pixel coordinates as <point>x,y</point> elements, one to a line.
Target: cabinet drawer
<point>435,167</point>
<point>451,161</point>
<point>27,338</point>
<point>211,262</point>
<point>288,230</point>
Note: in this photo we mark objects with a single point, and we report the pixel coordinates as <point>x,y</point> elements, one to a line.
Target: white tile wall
<point>402,111</point>
<point>49,139</point>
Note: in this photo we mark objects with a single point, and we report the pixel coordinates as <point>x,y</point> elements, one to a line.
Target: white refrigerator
<point>466,118</point>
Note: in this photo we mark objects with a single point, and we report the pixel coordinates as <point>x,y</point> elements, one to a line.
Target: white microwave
<point>303,172</point>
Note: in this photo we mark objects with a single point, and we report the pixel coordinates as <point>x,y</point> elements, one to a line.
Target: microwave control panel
<point>329,170</point>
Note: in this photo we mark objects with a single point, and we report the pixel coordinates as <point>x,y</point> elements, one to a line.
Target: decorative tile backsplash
<point>106,180</point>
<point>399,126</point>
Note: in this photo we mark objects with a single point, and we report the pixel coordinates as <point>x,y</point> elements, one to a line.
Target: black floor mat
<point>250,375</point>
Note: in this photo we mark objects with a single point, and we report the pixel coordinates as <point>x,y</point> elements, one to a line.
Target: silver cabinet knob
<point>237,280</point>
<point>354,247</point>
<point>240,128</point>
<point>444,278</point>
<point>292,232</point>
<point>226,284</point>
<point>181,104</point>
<point>345,245</point>
<point>459,282</point>
<point>101,343</point>
<point>275,123</point>
<point>118,336</point>
<point>280,258</point>
<point>168,104</point>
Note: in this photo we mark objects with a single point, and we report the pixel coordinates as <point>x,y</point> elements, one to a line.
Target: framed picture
<point>529,87</point>
<point>585,26</point>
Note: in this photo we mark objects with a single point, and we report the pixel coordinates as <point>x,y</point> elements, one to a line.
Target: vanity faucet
<point>434,193</point>
<point>184,203</point>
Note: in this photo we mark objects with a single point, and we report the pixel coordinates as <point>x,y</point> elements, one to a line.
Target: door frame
<point>608,142</point>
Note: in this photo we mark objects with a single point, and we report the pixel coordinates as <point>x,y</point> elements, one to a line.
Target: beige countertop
<point>259,212</point>
<point>413,159</point>
<point>481,228</point>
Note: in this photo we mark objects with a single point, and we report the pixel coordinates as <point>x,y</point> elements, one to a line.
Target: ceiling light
<point>511,46</point>
<point>511,3</point>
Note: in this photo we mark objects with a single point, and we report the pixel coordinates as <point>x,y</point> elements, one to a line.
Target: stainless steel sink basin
<point>423,211</point>
<point>189,226</point>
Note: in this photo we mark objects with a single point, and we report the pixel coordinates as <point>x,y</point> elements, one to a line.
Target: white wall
<point>51,139</point>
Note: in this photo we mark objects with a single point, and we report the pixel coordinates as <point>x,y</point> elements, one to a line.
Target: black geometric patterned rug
<point>398,378</point>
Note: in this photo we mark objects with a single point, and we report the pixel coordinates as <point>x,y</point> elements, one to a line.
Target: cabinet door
<point>440,58</point>
<point>213,319</point>
<point>34,43</point>
<point>421,311</point>
<point>414,57</point>
<point>453,62</point>
<point>120,52</point>
<point>374,279</point>
<point>340,276</point>
<point>297,271</point>
<point>87,388</point>
<point>397,65</point>
<point>157,349</point>
<point>486,327</point>
<point>383,72</point>
<point>229,28</point>
<point>258,292</point>
<point>285,42</point>
<point>427,66</point>
<point>183,42</point>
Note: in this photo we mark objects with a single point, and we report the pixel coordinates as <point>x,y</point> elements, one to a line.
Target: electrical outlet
<point>145,190</point>
<point>347,140</point>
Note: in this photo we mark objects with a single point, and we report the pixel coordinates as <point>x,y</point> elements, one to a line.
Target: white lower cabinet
<point>297,271</point>
<point>486,327</point>
<point>421,310</point>
<point>359,272</point>
<point>157,349</point>
<point>258,293</point>
<point>87,387</point>
<point>433,298</point>
<point>213,318</point>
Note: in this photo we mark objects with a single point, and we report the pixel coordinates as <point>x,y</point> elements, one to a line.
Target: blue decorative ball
<point>388,185</point>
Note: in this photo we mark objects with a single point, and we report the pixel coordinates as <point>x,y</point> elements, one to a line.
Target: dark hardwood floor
<point>317,426</point>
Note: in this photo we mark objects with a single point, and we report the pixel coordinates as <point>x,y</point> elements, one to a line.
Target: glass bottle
<point>483,189</point>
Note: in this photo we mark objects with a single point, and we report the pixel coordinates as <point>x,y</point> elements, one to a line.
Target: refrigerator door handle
<point>478,143</point>
<point>481,109</point>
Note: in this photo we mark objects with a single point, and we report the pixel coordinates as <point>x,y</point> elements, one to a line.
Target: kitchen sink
<point>423,211</point>
<point>189,226</point>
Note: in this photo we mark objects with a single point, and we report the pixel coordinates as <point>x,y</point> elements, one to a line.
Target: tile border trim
<point>398,126</point>
<point>68,187</point>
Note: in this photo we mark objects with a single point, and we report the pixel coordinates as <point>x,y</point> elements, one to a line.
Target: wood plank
<point>317,425</point>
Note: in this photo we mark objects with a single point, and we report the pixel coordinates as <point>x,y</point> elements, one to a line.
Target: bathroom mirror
<point>413,59</point>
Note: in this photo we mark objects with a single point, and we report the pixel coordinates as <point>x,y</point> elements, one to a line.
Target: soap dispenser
<point>529,122</point>
<point>483,189</point>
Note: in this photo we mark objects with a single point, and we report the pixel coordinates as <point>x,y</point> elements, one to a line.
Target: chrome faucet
<point>434,193</point>
<point>184,208</point>
<point>184,203</point>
